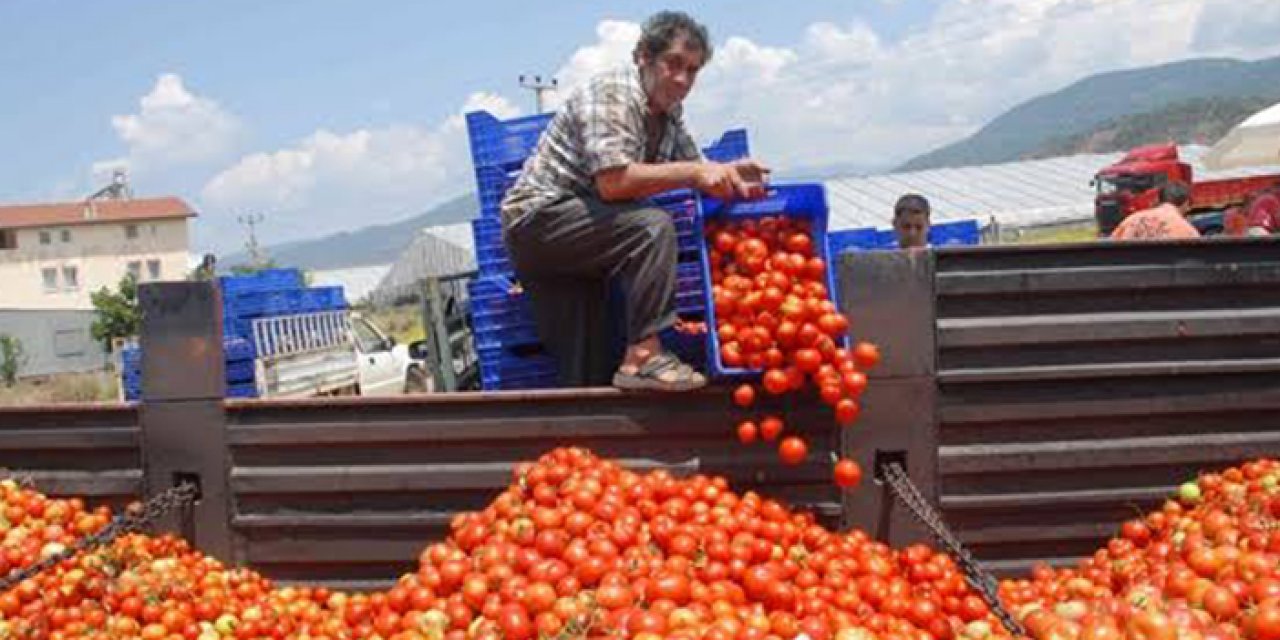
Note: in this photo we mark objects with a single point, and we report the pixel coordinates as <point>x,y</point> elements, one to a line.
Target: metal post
<point>889,299</point>
<point>434,322</point>
<point>182,417</point>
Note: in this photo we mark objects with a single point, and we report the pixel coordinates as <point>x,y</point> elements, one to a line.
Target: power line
<point>251,221</point>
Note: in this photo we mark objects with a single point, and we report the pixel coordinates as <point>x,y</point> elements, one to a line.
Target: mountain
<point>1097,99</point>
<point>1199,121</point>
<point>373,245</point>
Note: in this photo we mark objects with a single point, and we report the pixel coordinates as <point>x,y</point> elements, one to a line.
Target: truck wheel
<point>416,381</point>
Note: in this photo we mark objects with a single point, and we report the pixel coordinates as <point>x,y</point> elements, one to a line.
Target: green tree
<point>250,269</point>
<point>12,358</point>
<point>117,312</point>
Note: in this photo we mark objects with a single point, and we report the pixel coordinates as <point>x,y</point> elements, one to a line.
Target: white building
<point>53,256</point>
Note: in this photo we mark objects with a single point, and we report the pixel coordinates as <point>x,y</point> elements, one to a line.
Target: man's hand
<point>742,179</point>
<point>751,171</point>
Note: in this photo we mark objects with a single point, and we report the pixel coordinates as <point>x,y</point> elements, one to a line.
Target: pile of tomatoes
<point>1206,566</point>
<point>576,547</point>
<point>773,313</point>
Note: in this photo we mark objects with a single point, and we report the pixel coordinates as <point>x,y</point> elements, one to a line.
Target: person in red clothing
<point>1167,221</point>
<point>1262,214</point>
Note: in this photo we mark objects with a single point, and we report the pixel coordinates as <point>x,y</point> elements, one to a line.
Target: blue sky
<point>331,115</point>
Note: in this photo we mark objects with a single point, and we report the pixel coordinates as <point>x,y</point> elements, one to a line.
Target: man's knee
<point>656,224</point>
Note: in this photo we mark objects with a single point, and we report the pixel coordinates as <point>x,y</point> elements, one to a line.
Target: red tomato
<point>747,432</point>
<point>847,473</point>
<point>793,450</point>
<point>867,355</point>
<point>847,411</point>
<point>776,382</point>
<point>770,428</point>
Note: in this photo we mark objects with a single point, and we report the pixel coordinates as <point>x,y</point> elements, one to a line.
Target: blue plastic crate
<point>492,293</point>
<point>507,337</point>
<point>332,298</point>
<point>237,349</point>
<point>691,349</point>
<point>495,264</point>
<point>240,371</point>
<point>492,184</point>
<point>486,232</point>
<point>243,390</point>
<point>690,303</point>
<point>265,280</point>
<point>503,143</point>
<point>806,201</point>
<point>732,145</point>
<point>963,232</point>
<point>864,239</point>
<point>500,319</point>
<point>508,368</point>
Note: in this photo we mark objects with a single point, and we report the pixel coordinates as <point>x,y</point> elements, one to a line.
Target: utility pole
<point>535,84</point>
<point>251,221</point>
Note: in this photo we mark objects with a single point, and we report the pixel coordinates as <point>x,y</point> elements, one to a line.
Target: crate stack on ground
<point>245,298</point>
<point>240,372</point>
<point>506,338</point>
<point>271,293</point>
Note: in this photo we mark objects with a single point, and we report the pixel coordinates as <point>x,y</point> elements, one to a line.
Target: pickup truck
<point>318,353</point>
<point>332,353</point>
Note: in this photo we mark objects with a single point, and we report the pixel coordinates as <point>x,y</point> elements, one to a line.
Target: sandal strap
<point>663,362</point>
<point>659,363</point>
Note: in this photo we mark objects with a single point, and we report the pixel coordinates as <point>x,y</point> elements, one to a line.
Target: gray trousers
<point>570,256</point>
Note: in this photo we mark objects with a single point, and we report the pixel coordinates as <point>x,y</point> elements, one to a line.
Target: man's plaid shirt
<point>601,126</point>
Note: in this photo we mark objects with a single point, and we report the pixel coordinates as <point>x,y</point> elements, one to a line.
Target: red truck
<point>1133,184</point>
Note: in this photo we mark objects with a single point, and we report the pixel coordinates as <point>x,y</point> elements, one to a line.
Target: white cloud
<point>842,93</point>
<point>332,181</point>
<point>174,127</point>
<point>615,41</point>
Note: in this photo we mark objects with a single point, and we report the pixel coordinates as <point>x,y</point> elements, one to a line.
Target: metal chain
<point>976,575</point>
<point>127,522</point>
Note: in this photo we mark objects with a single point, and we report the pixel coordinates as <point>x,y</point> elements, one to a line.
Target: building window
<point>70,278</point>
<point>50,277</point>
<point>66,235</point>
<point>46,237</point>
<point>153,269</point>
<point>8,239</point>
<point>131,231</point>
<point>135,270</point>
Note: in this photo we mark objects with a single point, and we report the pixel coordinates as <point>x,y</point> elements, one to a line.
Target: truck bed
<point>1039,394</point>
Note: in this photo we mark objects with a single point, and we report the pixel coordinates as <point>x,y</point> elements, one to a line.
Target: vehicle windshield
<point>1128,182</point>
<point>367,338</point>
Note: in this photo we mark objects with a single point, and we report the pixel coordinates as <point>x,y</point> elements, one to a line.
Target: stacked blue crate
<point>962,232</point>
<point>505,335</point>
<point>240,369</point>
<point>275,292</point>
<point>506,338</point>
<point>864,239</point>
